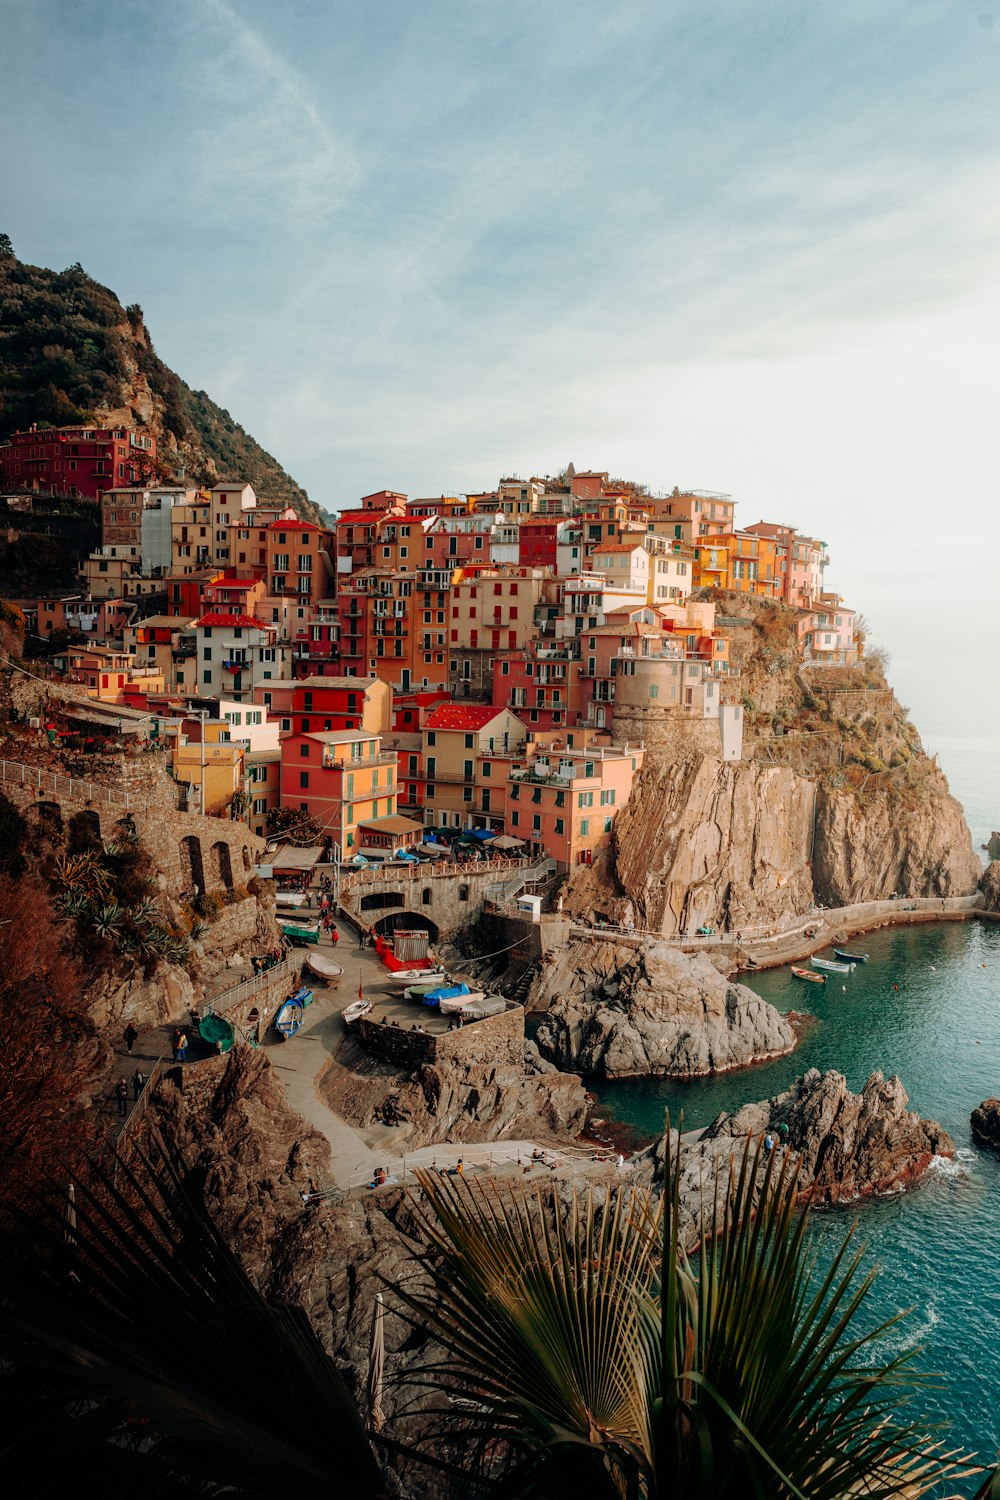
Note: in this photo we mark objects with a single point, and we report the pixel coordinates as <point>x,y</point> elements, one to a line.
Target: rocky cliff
<point>850,1146</point>
<point>457,1099</point>
<point>620,1009</point>
<point>989,884</point>
<point>834,802</point>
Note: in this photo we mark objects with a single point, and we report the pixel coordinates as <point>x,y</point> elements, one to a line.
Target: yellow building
<point>206,761</point>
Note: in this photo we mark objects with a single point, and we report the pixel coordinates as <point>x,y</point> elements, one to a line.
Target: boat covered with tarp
<point>445,992</point>
<point>489,1005</point>
<point>299,929</point>
<point>459,1002</point>
<point>216,1031</point>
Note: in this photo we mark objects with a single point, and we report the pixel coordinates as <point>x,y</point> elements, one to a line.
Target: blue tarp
<point>482,833</point>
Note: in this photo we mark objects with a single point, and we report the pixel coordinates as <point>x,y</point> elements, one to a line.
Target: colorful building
<point>81,462</point>
<point>564,802</point>
<point>458,743</point>
<point>346,782</point>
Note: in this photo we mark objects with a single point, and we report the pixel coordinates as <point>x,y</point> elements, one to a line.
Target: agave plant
<point>108,919</point>
<point>111,849</point>
<point>600,1356</point>
<point>176,950</point>
<point>144,912</point>
<point>82,872</point>
<point>74,904</point>
<point>153,942</point>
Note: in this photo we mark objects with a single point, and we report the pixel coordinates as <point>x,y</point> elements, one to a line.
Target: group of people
<point>326,917</point>
<point>267,961</point>
<point>781,1131</point>
<point>121,1090</point>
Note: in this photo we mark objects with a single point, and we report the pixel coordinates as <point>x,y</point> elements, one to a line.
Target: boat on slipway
<point>809,975</point>
<point>288,1020</point>
<point>355,1012</point>
<point>402,978</point>
<point>832,966</point>
<point>323,967</point>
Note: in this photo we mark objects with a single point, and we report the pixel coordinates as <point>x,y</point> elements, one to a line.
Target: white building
<point>232,655</point>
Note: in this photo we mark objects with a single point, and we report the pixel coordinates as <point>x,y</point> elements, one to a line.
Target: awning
<point>507,841</point>
<point>399,827</point>
<point>482,834</point>
<point>288,859</point>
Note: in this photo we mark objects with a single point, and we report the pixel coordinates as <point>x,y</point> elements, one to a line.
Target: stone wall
<point>493,1041</point>
<point>669,732</point>
<point>187,849</point>
<point>450,897</point>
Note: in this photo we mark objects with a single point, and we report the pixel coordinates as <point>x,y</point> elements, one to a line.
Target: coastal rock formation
<point>459,1099</point>
<point>850,1146</point>
<point>990,886</point>
<point>986,1123</point>
<point>622,1009</point>
<point>748,845</point>
<point>866,849</point>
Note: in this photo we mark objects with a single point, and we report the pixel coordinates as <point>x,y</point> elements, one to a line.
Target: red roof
<point>234,583</point>
<point>462,716</point>
<point>233,620</point>
<point>295,525</point>
<point>354,516</point>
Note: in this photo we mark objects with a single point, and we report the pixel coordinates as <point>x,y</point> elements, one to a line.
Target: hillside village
<point>465,670</point>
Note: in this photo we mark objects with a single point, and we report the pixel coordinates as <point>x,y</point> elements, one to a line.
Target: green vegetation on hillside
<point>70,352</point>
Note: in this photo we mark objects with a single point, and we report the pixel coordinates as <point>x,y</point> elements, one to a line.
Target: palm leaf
<point>147,1324</point>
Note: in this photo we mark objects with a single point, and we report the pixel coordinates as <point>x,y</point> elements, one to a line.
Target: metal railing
<point>35,779</point>
<point>136,1113</point>
<point>226,999</point>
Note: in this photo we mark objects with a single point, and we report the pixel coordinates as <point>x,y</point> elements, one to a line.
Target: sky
<point>714,243</point>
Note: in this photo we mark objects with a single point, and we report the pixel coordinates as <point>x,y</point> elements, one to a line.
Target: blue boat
<point>851,958</point>
<point>288,1020</point>
<point>449,992</point>
<point>302,997</point>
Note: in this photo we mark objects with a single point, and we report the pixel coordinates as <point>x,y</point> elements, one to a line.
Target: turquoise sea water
<point>938,1246</point>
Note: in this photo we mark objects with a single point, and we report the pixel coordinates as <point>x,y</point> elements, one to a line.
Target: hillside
<point>70,352</point>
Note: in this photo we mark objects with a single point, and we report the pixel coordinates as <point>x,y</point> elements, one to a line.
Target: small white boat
<point>324,967</point>
<point>459,1002</point>
<point>831,966</point>
<point>402,978</point>
<point>355,1012</point>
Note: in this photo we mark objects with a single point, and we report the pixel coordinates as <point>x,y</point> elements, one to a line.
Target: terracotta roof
<point>352,517</point>
<point>295,525</point>
<point>618,547</point>
<point>462,716</point>
<point>231,620</point>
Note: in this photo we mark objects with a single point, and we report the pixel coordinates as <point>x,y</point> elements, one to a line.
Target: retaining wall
<point>495,1040</point>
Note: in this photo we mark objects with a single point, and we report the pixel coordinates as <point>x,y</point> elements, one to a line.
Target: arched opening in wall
<point>247,861</point>
<point>463,893</point>
<point>407,919</point>
<point>84,831</point>
<point>426,896</point>
<point>379,900</point>
<point>191,861</point>
<point>252,1028</point>
<point>223,863</point>
<point>49,815</point>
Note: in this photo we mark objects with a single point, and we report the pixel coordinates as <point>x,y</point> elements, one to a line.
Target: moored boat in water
<point>850,958</point>
<point>831,965</point>
<point>809,975</point>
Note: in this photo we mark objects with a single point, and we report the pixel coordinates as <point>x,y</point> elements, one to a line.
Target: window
<point>560,826</point>
<point>515,818</point>
<point>584,827</point>
<point>463,893</point>
<point>304,751</point>
<point>206,677</point>
<point>303,778</point>
<point>431,737</point>
<point>206,653</point>
<point>585,799</point>
<point>607,824</point>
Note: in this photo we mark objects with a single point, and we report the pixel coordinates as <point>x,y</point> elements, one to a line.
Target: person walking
<point>334,934</point>
<point>138,1079</point>
<point>131,1037</point>
<point>180,1046</point>
<point>121,1094</point>
<point>361,937</point>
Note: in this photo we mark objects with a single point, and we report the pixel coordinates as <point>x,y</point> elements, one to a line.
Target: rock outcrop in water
<point>986,1123</point>
<point>851,1146</point>
<point>623,1009</point>
<point>990,886</point>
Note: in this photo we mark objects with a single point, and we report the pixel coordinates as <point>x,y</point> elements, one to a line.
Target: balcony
<point>384,758</point>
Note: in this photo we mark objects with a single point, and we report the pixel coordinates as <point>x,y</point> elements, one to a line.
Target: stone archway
<point>415,921</point>
<point>84,830</point>
<point>192,865</point>
<point>379,900</point>
<point>223,864</point>
<point>50,815</point>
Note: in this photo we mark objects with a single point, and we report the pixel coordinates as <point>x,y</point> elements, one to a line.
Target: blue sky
<point>742,246</point>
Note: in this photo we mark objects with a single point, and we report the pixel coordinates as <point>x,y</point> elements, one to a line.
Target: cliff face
<point>834,802</point>
<point>619,1011</point>
<point>70,352</point>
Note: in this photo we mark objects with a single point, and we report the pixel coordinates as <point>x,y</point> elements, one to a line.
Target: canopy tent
<point>482,834</point>
<point>507,841</point>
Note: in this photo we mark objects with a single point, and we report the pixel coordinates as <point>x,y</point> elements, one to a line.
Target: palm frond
<point>146,1323</point>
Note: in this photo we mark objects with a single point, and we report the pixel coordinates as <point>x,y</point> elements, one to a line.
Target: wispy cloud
<point>267,149</point>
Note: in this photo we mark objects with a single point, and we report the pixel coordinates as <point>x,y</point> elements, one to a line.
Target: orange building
<point>343,779</point>
<point>564,803</point>
<point>300,561</point>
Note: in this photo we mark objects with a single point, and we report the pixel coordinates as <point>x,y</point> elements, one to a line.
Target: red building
<point>83,462</point>
<point>536,541</point>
